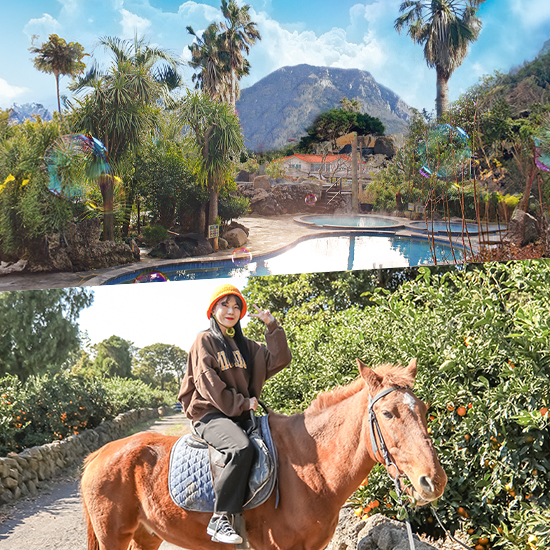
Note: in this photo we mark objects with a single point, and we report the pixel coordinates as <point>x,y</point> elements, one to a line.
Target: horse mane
<point>393,375</point>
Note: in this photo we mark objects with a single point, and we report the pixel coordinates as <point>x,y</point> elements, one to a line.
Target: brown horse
<point>324,455</point>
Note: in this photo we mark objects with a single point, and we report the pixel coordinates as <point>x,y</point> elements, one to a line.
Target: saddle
<point>195,466</point>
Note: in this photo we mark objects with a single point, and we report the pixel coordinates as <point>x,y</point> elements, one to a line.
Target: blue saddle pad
<point>190,476</point>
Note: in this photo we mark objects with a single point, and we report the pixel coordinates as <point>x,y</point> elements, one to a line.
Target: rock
<point>374,533</point>
<point>385,145</point>
<point>10,482</point>
<point>31,487</point>
<point>194,244</point>
<point>222,243</point>
<point>182,246</point>
<point>234,225</point>
<point>78,249</point>
<point>259,195</point>
<point>522,229</point>
<point>235,237</point>
<point>9,267</point>
<point>382,533</point>
<point>262,182</point>
<point>135,250</point>
<point>244,176</point>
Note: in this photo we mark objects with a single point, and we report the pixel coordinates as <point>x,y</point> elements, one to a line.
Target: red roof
<point>319,158</point>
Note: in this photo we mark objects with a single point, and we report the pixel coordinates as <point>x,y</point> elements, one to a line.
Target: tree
<point>216,136</point>
<point>114,357</point>
<point>122,104</point>
<point>239,33</point>
<point>57,57</point>
<point>351,105</point>
<point>161,365</point>
<point>38,329</point>
<point>445,28</point>
<point>212,62</point>
<point>332,124</point>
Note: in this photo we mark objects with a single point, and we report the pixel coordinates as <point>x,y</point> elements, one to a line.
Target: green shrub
<point>46,408</point>
<point>155,233</point>
<point>482,339</point>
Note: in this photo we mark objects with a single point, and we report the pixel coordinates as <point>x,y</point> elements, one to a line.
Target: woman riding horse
<point>224,378</point>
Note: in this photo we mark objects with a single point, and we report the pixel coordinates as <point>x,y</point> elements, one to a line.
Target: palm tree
<point>57,57</point>
<point>216,135</point>
<point>239,33</point>
<point>122,104</point>
<point>445,28</point>
<point>159,63</point>
<point>212,62</point>
<point>119,110</point>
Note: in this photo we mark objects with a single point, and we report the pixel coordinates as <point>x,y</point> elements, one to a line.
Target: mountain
<point>20,113</point>
<point>283,104</point>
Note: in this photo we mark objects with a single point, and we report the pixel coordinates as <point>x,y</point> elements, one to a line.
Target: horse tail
<point>93,543</point>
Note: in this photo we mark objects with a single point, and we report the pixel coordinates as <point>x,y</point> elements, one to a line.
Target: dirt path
<point>53,519</point>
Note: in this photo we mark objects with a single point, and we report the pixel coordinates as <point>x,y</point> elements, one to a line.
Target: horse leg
<point>144,539</point>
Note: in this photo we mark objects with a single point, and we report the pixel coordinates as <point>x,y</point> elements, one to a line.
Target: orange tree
<point>482,339</point>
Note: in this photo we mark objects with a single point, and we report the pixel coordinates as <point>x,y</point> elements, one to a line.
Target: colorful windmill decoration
<point>444,151</point>
<point>74,162</point>
<point>542,158</point>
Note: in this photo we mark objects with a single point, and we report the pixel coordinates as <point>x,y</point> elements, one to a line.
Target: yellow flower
<point>24,182</point>
<point>9,178</point>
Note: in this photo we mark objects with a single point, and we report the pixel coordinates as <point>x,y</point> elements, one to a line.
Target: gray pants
<point>229,438</point>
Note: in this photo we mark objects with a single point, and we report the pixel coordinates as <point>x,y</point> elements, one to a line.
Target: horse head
<point>398,432</point>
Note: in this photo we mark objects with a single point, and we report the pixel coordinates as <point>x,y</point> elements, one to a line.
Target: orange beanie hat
<point>220,292</point>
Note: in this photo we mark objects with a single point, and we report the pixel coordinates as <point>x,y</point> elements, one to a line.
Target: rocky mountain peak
<point>280,107</point>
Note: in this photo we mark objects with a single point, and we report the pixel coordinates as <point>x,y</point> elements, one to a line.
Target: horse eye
<point>387,414</point>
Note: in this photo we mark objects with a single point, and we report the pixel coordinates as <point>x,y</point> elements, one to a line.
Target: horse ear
<point>368,375</point>
<point>410,370</point>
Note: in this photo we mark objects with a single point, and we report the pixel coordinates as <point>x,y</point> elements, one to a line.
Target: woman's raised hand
<point>263,315</point>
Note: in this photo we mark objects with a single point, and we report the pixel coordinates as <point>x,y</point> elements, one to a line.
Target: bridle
<point>374,429</point>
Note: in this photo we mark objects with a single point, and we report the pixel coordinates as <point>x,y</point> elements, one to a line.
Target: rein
<point>374,429</point>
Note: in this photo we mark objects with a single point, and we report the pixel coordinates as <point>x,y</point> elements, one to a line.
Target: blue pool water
<point>318,254</point>
<point>456,227</point>
<point>350,221</point>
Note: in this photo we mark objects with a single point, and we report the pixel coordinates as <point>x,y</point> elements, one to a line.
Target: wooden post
<point>354,180</point>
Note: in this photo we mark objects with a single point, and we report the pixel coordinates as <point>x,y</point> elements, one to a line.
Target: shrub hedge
<point>482,339</point>
<point>49,407</point>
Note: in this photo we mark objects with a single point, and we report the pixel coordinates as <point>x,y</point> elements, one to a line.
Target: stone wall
<point>21,474</point>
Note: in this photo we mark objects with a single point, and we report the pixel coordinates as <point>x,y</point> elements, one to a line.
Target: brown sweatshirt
<point>214,382</point>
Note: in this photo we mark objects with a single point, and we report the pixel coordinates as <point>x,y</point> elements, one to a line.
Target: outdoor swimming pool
<point>353,221</point>
<point>317,254</point>
<point>457,228</point>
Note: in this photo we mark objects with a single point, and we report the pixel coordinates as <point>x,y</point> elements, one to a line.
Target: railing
<point>335,189</point>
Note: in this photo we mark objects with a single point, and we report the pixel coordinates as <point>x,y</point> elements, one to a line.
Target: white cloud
<point>191,11</point>
<point>42,27</point>
<point>132,24</point>
<point>531,13</point>
<point>69,6</point>
<point>8,92</point>
<point>280,47</point>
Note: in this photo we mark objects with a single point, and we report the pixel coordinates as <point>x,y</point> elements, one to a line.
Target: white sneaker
<point>221,530</point>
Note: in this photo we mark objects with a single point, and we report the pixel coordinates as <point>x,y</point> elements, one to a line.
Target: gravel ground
<point>53,520</point>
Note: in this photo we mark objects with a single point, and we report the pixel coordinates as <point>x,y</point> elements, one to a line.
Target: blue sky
<point>347,34</point>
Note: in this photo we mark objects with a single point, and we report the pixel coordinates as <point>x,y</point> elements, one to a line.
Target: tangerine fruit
<point>461,411</point>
